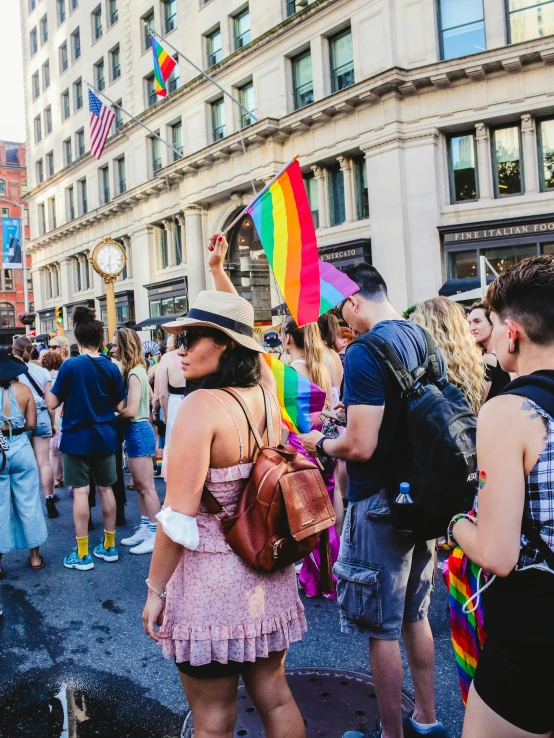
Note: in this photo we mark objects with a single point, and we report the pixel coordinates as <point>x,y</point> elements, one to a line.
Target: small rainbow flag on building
<point>164,64</point>
<point>282,216</point>
<point>300,400</point>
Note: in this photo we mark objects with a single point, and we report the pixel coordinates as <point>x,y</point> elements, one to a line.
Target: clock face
<point>110,259</point>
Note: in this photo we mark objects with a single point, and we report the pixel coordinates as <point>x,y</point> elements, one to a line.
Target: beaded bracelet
<point>460,516</point>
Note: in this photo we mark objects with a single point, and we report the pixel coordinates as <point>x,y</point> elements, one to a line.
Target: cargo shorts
<point>384,577</point>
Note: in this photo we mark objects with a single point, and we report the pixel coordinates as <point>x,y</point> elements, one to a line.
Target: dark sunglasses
<point>187,339</point>
<point>339,308</point>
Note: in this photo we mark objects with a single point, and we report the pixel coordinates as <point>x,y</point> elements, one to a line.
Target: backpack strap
<point>35,385</point>
<point>537,541</point>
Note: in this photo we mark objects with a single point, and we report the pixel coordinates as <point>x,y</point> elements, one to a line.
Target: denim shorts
<point>44,426</point>
<point>384,578</point>
<point>140,439</point>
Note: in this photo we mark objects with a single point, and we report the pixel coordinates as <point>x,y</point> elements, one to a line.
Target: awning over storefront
<point>151,324</point>
<point>456,286</point>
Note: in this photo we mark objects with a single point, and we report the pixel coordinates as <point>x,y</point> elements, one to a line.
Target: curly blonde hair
<point>129,347</point>
<point>446,321</point>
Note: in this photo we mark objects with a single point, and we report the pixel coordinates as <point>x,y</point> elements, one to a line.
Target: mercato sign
<point>499,232</point>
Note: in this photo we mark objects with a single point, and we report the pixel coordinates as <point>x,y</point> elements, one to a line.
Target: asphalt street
<point>74,661</point>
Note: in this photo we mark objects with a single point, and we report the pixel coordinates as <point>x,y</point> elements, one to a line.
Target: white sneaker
<point>147,546</point>
<point>138,536</point>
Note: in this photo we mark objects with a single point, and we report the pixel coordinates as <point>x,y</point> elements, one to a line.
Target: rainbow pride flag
<point>163,66</point>
<point>282,216</point>
<point>300,400</point>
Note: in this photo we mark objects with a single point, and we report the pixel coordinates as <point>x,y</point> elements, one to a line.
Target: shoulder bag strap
<point>35,385</point>
<point>538,542</point>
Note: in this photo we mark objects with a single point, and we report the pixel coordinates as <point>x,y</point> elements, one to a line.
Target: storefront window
<point>548,248</point>
<point>7,315</point>
<point>180,305</point>
<point>530,19</point>
<point>155,308</point>
<point>507,162</point>
<point>463,264</point>
<point>505,257</point>
<point>168,306</point>
<point>463,172</point>
<point>546,153</point>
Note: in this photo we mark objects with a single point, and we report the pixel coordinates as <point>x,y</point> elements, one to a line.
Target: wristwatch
<point>319,449</point>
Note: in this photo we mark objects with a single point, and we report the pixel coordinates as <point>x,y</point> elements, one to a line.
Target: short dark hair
<point>481,306</point>
<point>371,283</point>
<point>238,366</point>
<point>88,331</point>
<point>526,293</point>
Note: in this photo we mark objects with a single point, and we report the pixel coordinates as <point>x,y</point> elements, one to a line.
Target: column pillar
<point>349,200</point>
<point>181,224</point>
<point>484,161</point>
<point>530,168</point>
<point>127,246</point>
<point>168,225</point>
<point>196,267</point>
<point>143,254</point>
<point>321,178</point>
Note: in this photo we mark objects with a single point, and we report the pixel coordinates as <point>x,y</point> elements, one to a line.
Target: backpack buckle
<point>223,513</point>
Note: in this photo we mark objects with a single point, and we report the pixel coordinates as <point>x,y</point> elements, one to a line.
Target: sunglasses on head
<point>187,339</point>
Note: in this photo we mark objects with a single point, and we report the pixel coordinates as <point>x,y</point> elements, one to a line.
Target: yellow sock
<point>109,538</point>
<point>82,546</point>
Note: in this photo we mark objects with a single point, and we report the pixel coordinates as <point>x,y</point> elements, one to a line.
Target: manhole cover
<point>331,702</point>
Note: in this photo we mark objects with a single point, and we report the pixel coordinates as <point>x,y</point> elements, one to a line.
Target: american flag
<point>101,119</point>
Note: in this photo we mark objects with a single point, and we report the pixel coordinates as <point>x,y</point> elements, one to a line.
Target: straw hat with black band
<point>224,311</point>
<point>10,366</point>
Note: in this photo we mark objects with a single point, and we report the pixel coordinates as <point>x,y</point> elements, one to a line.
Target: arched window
<point>7,315</point>
<point>2,187</point>
<point>249,269</point>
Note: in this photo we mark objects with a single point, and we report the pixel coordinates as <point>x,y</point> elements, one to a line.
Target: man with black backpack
<point>384,570</point>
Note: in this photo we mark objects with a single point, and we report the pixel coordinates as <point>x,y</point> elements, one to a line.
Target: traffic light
<point>58,311</point>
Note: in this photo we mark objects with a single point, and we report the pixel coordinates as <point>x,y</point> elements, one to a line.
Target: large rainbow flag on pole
<point>300,400</point>
<point>282,216</point>
<point>164,64</point>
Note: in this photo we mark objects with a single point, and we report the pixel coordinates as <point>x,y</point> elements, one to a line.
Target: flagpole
<point>150,131</point>
<point>260,193</point>
<point>202,72</point>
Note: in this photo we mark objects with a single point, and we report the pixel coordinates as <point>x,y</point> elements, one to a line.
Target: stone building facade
<point>423,128</point>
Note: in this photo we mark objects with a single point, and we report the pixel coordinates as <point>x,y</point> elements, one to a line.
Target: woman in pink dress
<point>220,619</point>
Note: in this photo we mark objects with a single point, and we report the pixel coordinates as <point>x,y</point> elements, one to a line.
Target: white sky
<point>12,108</point>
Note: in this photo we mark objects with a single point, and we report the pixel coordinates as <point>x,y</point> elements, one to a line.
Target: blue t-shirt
<point>89,395</point>
<point>366,383</point>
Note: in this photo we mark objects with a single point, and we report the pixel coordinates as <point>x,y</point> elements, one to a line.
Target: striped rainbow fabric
<point>283,219</point>
<point>300,400</point>
<point>163,66</point>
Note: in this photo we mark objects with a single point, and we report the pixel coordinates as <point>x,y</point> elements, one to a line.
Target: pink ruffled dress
<point>217,608</point>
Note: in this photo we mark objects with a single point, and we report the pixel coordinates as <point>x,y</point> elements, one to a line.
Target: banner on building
<point>11,243</point>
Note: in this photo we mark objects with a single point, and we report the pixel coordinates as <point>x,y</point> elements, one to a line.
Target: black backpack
<point>434,443</point>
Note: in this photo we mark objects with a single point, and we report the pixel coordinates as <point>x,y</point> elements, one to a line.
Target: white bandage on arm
<point>180,528</point>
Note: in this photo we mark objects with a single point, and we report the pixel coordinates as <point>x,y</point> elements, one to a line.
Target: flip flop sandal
<point>41,566</point>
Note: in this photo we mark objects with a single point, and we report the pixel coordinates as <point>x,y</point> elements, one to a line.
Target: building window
<point>115,63</point>
<point>67,155</point>
<point>336,195</point>
<point>156,154</point>
<point>99,77</point>
<point>530,19</point>
<point>48,120</point>
<point>46,74</point>
<point>70,203</point>
<point>83,202</point>
<point>61,11</point>
<point>80,142</point>
<point>44,29</point>
<point>118,114</point>
<point>2,186</point>
<point>37,129</point>
<point>303,86</point>
<point>35,84</point>
<point>8,279</point>
<point>33,43</point>
<point>164,258</point>
<point>32,5</point>
<point>213,48</point>
<point>310,183</point>
<point>40,172</point>
<point>342,62</point>
<point>546,154</point>
<point>218,119</point>
<point>78,94</point>
<point>96,18</point>
<point>120,174</point>
<point>7,315</point>
<point>113,11</point>
<point>52,214</point>
<point>241,25</point>
<point>64,63</point>
<point>77,274</point>
<point>74,4</point>
<point>65,105</point>
<point>50,164</point>
<point>178,236</point>
<point>169,15</point>
<point>362,195</point>
<point>508,179</point>
<point>23,188</point>
<point>246,98</point>
<point>462,167</point>
<point>177,139</point>
<point>147,22</point>
<point>462,28</point>
<point>76,44</point>
<point>504,258</point>
<point>5,212</point>
<point>151,96</point>
<point>104,185</point>
<point>174,81</point>
<point>291,8</point>
<point>41,219</point>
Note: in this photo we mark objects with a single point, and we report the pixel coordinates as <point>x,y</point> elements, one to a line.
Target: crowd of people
<point>74,420</point>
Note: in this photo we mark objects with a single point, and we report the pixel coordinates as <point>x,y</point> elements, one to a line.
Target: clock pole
<point>110,306</point>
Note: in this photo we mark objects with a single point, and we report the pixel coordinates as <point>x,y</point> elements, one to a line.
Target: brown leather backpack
<point>283,508</point>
